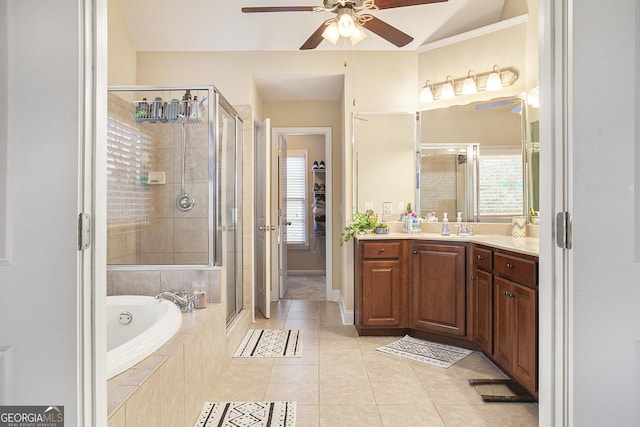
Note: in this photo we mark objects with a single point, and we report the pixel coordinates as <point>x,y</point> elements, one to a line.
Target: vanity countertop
<point>527,245</point>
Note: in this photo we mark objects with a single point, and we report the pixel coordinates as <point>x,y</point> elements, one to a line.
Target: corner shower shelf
<point>149,112</point>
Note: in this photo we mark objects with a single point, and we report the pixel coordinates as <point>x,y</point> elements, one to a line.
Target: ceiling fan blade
<point>315,39</point>
<point>388,32</point>
<point>389,4</point>
<point>278,9</point>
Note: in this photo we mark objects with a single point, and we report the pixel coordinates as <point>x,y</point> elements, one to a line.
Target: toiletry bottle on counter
<point>459,218</point>
<point>445,226</point>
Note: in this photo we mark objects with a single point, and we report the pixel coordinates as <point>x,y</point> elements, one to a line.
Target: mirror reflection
<point>484,182</point>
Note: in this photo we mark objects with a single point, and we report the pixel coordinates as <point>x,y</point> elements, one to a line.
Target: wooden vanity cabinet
<point>482,296</point>
<point>515,317</point>
<point>439,288</point>
<point>381,298</point>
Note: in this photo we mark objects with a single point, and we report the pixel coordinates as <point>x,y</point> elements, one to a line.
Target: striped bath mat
<point>425,351</point>
<point>271,343</point>
<point>253,414</point>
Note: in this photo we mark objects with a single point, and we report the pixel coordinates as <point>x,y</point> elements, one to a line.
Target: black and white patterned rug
<point>247,414</point>
<point>271,343</point>
<point>426,351</point>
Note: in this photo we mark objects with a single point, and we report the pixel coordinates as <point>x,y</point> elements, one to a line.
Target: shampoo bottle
<point>445,225</point>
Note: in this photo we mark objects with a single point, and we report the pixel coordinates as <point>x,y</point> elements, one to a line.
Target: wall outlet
<point>387,208</point>
<point>401,206</point>
<point>368,205</point>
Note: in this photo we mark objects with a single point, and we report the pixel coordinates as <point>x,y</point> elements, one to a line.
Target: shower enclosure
<point>173,180</point>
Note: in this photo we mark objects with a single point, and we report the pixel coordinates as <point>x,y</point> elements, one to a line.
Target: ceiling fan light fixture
<point>426,94</point>
<point>331,33</point>
<point>447,91</point>
<point>494,81</point>
<point>469,86</point>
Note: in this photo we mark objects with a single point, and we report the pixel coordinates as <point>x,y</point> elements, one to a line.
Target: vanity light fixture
<point>469,86</point>
<point>447,91</point>
<point>450,88</point>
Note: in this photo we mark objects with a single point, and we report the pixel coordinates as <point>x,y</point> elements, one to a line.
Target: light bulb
<point>426,94</point>
<point>447,91</point>
<point>494,81</point>
<point>358,34</point>
<point>469,85</point>
<point>331,33</point>
<point>345,25</point>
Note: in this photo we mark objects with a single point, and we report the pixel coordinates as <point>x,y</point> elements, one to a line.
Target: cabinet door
<point>381,293</point>
<point>439,288</point>
<point>482,309</point>
<point>503,322</point>
<point>526,342</point>
<point>515,338</point>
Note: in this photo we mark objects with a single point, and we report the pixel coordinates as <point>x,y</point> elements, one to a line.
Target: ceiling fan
<point>350,20</point>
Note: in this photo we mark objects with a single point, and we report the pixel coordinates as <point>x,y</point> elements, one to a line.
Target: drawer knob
<point>480,257</point>
<point>381,251</point>
<point>509,294</point>
<point>473,277</point>
<point>415,252</point>
<point>509,266</point>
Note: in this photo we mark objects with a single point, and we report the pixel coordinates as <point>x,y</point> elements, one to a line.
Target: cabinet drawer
<point>518,269</point>
<point>482,258</point>
<point>381,250</point>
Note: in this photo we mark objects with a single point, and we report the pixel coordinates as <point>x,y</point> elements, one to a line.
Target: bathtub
<point>136,327</point>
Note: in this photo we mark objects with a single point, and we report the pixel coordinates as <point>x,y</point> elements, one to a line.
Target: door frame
<point>276,133</point>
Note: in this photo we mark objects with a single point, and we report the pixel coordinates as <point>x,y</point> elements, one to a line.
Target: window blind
<point>500,184</point>
<point>296,197</point>
<point>127,171</point>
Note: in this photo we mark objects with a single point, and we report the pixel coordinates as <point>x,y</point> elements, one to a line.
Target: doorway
<point>304,250</point>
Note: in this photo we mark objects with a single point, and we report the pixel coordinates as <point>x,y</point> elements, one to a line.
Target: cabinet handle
<point>509,266</point>
<point>473,277</point>
<point>509,294</point>
<point>480,257</point>
<point>381,251</point>
<point>415,252</point>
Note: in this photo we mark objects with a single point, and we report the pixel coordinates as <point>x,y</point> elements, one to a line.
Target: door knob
<point>272,227</point>
<point>288,223</point>
<point>262,228</point>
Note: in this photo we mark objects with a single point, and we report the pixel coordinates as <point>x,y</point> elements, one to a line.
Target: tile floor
<point>342,380</point>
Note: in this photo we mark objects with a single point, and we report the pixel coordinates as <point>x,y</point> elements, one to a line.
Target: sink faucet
<point>187,303</point>
<point>464,229</point>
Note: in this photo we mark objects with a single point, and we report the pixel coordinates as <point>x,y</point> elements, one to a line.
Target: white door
<point>282,215</point>
<point>46,335</point>
<point>262,232</point>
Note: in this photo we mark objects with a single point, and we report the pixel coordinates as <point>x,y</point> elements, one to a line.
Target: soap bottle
<point>445,226</point>
<point>459,218</point>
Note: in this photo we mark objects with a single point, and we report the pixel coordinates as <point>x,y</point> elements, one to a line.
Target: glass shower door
<point>229,230</point>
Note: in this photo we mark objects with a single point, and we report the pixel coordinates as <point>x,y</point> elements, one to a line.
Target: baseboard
<point>306,272</point>
<point>347,315</point>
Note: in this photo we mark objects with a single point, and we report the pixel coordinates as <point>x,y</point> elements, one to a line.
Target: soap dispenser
<point>445,226</point>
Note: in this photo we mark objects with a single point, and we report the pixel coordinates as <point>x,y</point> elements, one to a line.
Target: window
<point>296,197</point>
<point>127,168</point>
<point>501,189</point>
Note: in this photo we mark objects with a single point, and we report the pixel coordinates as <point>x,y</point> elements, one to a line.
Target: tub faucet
<point>187,303</point>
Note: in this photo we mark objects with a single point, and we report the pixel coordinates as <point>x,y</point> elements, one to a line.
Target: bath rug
<point>271,343</point>
<point>253,414</point>
<point>426,351</point>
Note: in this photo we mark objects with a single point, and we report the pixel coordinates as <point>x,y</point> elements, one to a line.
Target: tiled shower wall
<point>171,236</point>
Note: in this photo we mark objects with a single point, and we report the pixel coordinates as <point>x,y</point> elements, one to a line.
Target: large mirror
<point>472,160</point>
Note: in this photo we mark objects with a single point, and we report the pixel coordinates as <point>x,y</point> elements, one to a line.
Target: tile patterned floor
<point>342,380</point>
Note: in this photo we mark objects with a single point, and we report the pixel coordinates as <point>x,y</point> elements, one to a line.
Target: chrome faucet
<point>465,229</point>
<point>187,303</point>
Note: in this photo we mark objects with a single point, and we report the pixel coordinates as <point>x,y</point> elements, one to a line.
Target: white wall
<point>38,308</point>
